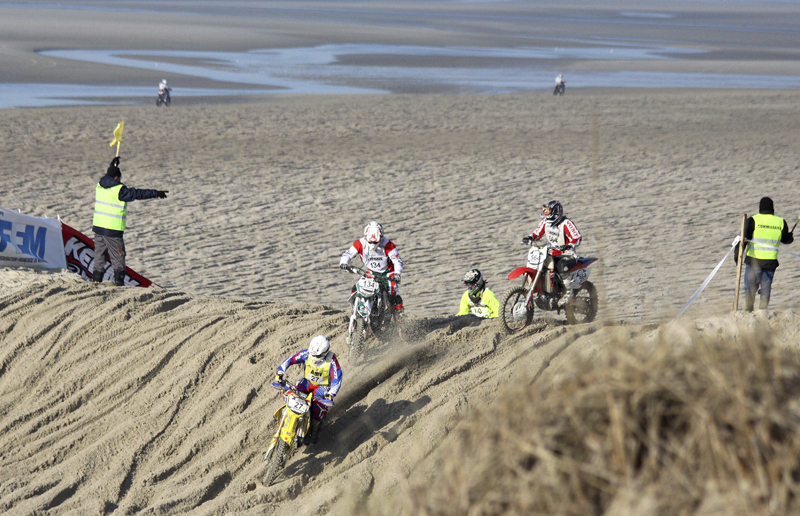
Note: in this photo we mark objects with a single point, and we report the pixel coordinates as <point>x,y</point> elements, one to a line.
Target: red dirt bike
<point>543,290</point>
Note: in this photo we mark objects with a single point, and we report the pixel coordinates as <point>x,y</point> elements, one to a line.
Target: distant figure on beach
<point>560,85</point>
<point>163,93</point>
<point>477,299</point>
<point>109,222</point>
<point>564,239</point>
<point>763,233</point>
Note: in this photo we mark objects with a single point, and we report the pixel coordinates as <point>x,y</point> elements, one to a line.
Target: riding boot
<point>97,276</point>
<point>119,278</point>
<point>313,432</point>
<point>567,297</point>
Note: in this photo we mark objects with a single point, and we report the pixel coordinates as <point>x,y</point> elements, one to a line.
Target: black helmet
<point>474,282</point>
<point>552,211</point>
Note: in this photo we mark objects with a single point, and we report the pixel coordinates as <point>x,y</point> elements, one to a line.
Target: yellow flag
<point>117,134</point>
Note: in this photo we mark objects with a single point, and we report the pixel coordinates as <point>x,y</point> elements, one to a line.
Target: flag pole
<point>739,264</point>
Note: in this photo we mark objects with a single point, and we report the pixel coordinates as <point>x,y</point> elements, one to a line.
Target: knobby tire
<point>276,461</point>
<point>512,297</point>
<point>583,306</point>
<point>357,340</point>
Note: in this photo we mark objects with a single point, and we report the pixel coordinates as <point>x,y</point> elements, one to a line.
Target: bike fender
<point>520,271</point>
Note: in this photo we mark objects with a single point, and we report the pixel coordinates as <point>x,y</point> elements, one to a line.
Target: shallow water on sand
<point>359,68</point>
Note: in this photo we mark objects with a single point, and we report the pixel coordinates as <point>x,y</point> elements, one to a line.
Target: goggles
<point>546,210</point>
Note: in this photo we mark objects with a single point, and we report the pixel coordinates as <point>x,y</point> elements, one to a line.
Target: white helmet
<point>373,232</point>
<point>319,346</point>
<point>163,81</point>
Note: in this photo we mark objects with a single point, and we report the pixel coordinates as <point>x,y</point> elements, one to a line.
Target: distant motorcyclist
<point>163,88</point>
<point>564,239</point>
<point>478,300</point>
<point>380,255</point>
<point>322,374</point>
<point>560,85</point>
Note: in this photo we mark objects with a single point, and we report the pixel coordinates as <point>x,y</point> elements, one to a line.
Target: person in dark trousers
<point>763,233</point>
<point>110,212</point>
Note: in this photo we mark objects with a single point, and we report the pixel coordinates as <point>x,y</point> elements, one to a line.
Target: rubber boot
<point>97,276</point>
<point>749,302</point>
<point>763,303</point>
<point>119,278</point>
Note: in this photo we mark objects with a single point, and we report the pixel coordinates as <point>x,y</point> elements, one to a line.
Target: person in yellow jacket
<point>763,233</point>
<point>477,299</point>
<point>110,220</point>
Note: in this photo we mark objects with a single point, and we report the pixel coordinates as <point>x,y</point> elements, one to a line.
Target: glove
<point>527,240</point>
<point>328,397</point>
<point>343,266</point>
<point>396,278</point>
<point>736,240</point>
<point>115,161</point>
<point>162,194</point>
<point>279,377</point>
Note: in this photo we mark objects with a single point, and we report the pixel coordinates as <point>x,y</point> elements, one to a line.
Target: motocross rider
<point>477,299</point>
<point>162,87</point>
<point>564,239</point>
<point>380,255</point>
<point>322,374</point>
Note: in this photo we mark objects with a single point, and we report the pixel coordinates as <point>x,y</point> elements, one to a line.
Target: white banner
<point>27,241</point>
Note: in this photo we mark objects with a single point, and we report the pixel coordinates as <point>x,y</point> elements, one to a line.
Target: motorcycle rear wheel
<point>510,300</point>
<point>357,340</point>
<point>276,461</point>
<point>583,306</point>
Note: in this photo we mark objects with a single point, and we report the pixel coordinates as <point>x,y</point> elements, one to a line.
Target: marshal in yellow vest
<point>766,237</point>
<point>109,211</point>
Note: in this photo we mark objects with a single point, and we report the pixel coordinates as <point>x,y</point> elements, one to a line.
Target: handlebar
<point>283,385</point>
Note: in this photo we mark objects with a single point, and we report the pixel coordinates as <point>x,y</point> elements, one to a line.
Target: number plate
<point>297,405</point>
<point>535,257</point>
<point>367,286</point>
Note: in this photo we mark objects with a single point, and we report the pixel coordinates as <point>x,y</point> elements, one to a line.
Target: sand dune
<point>138,400</point>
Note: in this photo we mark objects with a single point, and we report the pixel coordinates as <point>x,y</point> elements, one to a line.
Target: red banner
<point>80,259</point>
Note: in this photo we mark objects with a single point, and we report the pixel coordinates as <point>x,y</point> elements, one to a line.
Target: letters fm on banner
<point>27,241</point>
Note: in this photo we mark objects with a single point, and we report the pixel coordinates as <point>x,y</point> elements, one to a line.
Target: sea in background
<point>663,45</point>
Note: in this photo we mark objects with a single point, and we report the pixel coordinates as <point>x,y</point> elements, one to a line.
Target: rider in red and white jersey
<point>564,237</point>
<point>381,256</point>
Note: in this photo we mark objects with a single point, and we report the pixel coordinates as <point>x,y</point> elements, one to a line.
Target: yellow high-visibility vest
<point>319,375</point>
<point>109,211</point>
<point>766,237</point>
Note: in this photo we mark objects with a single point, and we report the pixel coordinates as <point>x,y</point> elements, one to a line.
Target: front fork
<point>290,425</point>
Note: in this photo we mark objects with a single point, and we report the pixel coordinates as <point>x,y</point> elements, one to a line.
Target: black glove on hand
<point>162,194</point>
<point>115,161</point>
<point>343,266</point>
<point>527,240</point>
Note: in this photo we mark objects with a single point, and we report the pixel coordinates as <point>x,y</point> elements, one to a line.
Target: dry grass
<point>708,428</point>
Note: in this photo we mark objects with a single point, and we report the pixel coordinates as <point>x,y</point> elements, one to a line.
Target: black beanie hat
<point>113,171</point>
<point>765,206</point>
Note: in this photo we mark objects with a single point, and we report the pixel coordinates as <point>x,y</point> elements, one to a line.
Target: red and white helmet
<point>373,232</point>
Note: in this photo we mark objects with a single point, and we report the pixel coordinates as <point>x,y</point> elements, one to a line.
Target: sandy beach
<point>156,401</point>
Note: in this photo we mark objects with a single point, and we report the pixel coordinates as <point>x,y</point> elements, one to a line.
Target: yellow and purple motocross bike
<point>294,421</point>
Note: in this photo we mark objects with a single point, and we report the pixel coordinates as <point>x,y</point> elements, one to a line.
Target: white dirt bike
<point>371,311</point>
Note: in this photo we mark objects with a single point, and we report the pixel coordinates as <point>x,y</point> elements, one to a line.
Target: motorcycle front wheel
<point>357,340</point>
<point>583,306</point>
<point>276,461</point>
<point>514,314</point>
